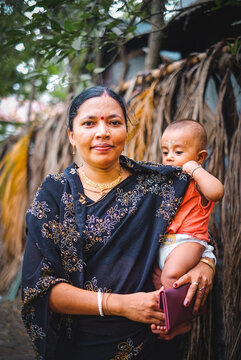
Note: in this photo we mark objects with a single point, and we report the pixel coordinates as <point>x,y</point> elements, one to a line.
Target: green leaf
<point>67,25</point>
<point>55,26</point>
<point>90,66</point>
<point>71,26</point>
<point>106,4</point>
<point>112,36</point>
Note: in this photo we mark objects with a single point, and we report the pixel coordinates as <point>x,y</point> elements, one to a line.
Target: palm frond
<point>13,196</point>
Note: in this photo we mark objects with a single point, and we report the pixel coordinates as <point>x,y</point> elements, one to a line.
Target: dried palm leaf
<point>13,195</point>
<point>141,107</point>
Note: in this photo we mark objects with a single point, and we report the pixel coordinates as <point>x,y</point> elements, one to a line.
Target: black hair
<point>92,92</point>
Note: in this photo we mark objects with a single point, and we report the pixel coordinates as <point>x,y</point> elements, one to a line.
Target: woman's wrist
<point>113,304</point>
<point>210,262</point>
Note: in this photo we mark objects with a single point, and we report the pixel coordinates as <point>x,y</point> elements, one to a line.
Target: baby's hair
<point>198,129</point>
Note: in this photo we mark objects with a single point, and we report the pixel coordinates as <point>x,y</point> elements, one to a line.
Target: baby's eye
<point>179,152</point>
<point>164,152</point>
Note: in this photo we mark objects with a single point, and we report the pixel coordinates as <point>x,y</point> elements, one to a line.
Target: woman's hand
<point>201,279</point>
<point>141,307</point>
<point>163,334</point>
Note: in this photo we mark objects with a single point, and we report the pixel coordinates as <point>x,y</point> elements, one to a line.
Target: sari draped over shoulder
<point>109,245</point>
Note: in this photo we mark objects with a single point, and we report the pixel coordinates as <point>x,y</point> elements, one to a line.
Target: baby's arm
<point>208,185</point>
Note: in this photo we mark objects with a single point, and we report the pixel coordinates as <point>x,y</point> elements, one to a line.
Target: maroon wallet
<point>171,301</point>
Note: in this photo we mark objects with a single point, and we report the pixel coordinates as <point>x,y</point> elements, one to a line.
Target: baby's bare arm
<point>208,185</point>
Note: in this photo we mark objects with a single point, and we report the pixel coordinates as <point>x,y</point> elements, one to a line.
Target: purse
<point>171,301</point>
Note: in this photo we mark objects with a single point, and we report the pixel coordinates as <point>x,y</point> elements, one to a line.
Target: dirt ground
<point>14,341</point>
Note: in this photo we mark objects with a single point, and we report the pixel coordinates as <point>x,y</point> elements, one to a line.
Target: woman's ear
<point>202,156</point>
<point>71,138</point>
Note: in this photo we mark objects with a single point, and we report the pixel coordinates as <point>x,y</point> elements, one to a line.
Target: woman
<point>93,236</point>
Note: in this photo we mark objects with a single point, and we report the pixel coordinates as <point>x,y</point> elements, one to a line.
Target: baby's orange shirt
<point>192,217</point>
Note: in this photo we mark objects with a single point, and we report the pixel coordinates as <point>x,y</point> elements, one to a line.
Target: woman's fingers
<point>200,278</point>
<point>205,296</point>
<point>191,293</point>
<point>185,279</point>
<point>143,307</point>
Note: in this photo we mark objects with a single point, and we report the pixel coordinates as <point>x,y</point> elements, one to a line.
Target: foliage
<point>38,36</point>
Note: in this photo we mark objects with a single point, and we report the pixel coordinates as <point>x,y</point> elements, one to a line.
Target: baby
<point>184,144</point>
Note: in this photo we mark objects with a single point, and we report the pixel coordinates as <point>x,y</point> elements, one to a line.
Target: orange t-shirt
<point>192,217</point>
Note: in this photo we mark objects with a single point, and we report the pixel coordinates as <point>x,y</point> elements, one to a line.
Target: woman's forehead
<point>100,104</point>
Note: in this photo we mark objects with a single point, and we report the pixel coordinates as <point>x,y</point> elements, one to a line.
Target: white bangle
<point>99,299</point>
<point>195,169</point>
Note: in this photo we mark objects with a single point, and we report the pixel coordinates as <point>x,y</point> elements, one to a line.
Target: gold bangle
<point>106,310</point>
<point>205,261</point>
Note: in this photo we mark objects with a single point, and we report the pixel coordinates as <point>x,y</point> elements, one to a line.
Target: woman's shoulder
<point>56,183</point>
<point>149,167</point>
<point>54,191</point>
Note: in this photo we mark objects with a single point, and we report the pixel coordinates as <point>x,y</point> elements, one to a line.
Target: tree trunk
<point>155,37</point>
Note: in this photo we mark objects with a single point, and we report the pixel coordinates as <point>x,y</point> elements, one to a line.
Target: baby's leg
<point>183,258</point>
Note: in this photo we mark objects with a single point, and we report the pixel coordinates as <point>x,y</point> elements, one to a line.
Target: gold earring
<point>74,150</point>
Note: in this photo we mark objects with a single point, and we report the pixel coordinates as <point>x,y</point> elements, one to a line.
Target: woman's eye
<point>115,122</point>
<point>88,123</point>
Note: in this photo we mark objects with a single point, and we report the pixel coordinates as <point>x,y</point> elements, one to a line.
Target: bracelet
<point>99,299</point>
<point>106,310</point>
<point>195,169</point>
<point>205,261</point>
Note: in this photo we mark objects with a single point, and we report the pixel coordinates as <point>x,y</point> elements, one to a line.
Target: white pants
<point>171,241</point>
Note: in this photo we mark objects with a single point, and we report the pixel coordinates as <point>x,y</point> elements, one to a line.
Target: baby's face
<point>178,147</point>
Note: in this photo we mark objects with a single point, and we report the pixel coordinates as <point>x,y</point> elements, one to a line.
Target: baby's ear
<point>201,156</point>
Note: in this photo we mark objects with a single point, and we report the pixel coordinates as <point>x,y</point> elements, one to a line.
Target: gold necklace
<point>102,187</point>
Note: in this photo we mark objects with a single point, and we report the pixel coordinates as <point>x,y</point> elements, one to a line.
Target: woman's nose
<point>102,129</point>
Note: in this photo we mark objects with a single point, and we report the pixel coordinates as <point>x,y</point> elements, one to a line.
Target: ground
<point>14,341</point>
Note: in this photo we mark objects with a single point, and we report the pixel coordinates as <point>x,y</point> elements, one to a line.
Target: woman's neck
<point>101,175</point>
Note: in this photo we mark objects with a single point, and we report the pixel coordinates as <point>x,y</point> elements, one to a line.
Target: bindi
<point>102,118</point>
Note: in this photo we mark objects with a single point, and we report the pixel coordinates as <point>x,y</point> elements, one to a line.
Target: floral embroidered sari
<point>110,244</point>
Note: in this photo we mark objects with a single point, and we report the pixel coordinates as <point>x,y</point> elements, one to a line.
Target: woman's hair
<point>90,93</point>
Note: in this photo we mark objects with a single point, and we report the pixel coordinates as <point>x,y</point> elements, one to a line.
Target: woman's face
<point>99,132</point>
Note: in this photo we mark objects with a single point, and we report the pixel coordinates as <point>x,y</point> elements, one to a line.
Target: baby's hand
<point>164,334</point>
<point>158,329</point>
<point>189,166</point>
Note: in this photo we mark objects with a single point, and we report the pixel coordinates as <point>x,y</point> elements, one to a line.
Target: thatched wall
<point>174,91</point>
<point>181,90</point>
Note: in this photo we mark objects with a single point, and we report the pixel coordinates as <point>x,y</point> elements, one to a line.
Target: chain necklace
<point>102,187</point>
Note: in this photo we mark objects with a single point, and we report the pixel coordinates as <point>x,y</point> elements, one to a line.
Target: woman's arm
<point>141,307</point>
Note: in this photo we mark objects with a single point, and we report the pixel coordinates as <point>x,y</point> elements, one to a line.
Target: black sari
<point>109,245</point>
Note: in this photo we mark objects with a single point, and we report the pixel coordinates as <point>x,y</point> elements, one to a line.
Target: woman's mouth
<point>102,147</point>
